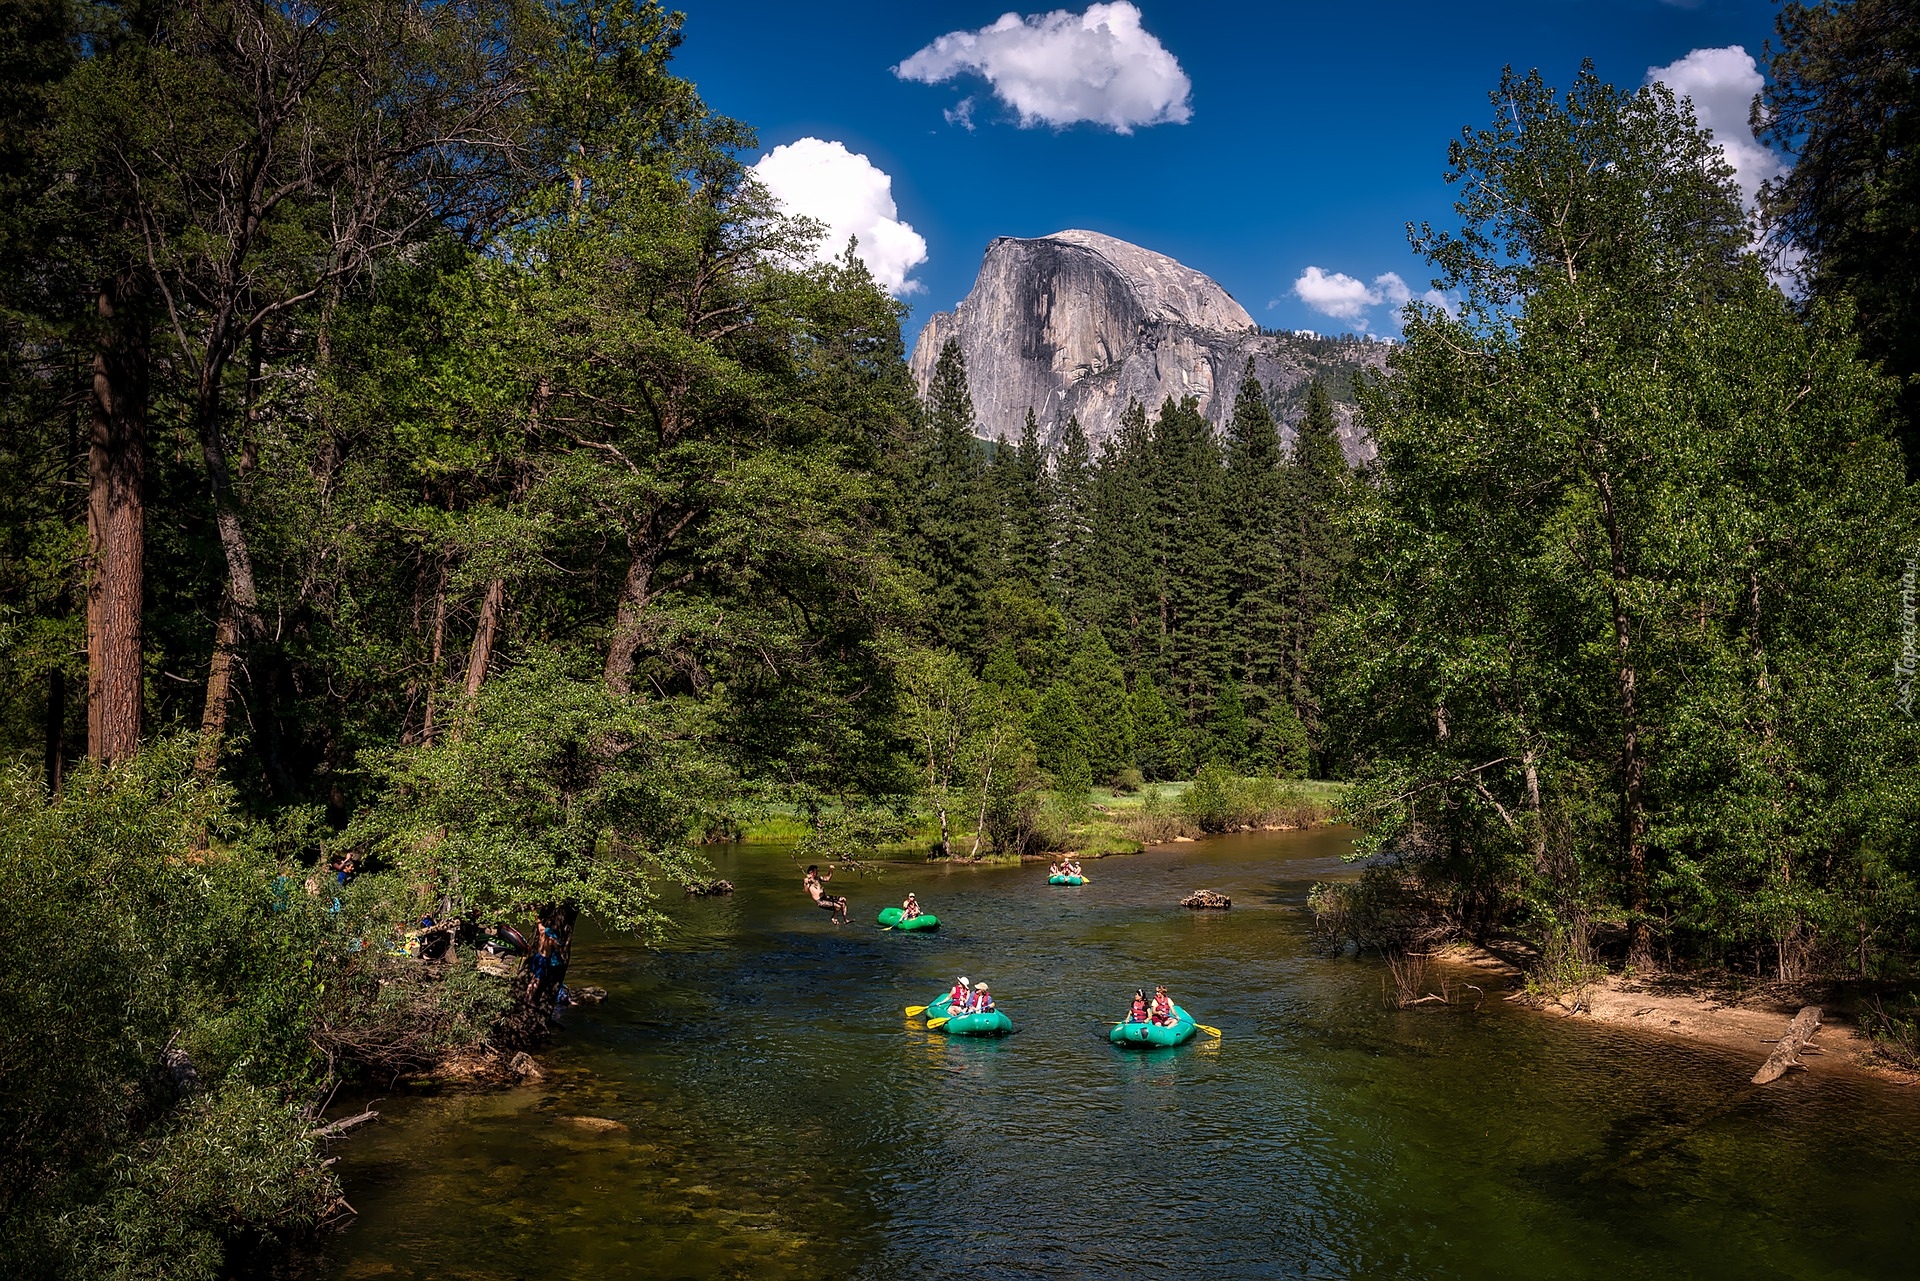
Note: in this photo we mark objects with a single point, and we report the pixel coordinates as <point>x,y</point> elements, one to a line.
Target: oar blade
<point>935,1022</point>
<point>1210,1031</point>
<point>915,1009</point>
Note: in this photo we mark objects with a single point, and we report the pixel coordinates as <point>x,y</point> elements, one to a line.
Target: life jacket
<point>959,999</point>
<point>982,1003</point>
<point>1162,1007</point>
<point>1139,1013</point>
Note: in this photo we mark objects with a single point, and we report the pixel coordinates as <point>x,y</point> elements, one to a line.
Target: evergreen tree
<point>1070,521</point>
<point>1189,557</point>
<point>1100,691</point>
<point>1318,484</point>
<point>1160,745</point>
<point>1285,750</point>
<point>1122,596</point>
<point>1258,532</point>
<point>1227,740</point>
<point>1058,732</point>
<point>1022,497</point>
<point>951,513</point>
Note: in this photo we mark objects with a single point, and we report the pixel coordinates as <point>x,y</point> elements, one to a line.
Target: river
<point>785,1120</point>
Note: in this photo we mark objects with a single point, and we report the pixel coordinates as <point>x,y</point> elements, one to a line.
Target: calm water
<point>785,1120</point>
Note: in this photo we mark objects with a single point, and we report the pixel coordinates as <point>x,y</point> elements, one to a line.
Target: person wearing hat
<point>959,998</point>
<point>982,999</point>
<point>910,908</point>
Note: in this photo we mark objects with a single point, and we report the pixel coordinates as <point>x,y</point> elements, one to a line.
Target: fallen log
<point>343,1125</point>
<point>1786,1051</point>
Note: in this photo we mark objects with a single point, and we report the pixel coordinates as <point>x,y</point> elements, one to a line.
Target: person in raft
<point>816,884</point>
<point>960,998</point>
<point>982,999</point>
<point>1070,866</point>
<point>1163,1007</point>
<point>910,908</point>
<point>1138,1014</point>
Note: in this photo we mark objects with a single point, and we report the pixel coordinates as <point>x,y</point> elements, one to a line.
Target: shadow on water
<point>751,1102</point>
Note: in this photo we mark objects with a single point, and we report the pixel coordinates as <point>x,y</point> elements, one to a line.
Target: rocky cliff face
<point>1080,324</point>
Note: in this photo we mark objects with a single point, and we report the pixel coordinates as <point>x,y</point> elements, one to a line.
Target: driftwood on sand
<point>1786,1051</point>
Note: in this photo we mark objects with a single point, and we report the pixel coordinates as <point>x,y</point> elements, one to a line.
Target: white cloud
<point>1063,68</point>
<point>1343,297</point>
<point>1722,83</point>
<point>961,113</point>
<point>844,190</point>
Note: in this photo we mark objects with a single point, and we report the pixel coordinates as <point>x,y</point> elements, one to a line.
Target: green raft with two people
<point>908,916</point>
<point>1178,1032</point>
<point>985,1023</point>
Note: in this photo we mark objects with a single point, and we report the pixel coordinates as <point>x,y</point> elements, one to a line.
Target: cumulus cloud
<point>1343,297</point>
<point>1062,68</point>
<point>1721,83</point>
<point>824,181</point>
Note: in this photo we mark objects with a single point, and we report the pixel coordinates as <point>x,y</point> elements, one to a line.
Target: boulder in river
<point>1207,899</point>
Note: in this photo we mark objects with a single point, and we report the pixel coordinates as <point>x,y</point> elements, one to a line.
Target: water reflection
<point>782,1119</point>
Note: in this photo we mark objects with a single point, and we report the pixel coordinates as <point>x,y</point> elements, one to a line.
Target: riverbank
<point>1109,821</point>
<point>1730,1011</point>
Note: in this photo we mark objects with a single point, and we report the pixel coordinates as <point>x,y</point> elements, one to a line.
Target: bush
<point>1128,781</point>
<point>1220,801</point>
<point>155,1072</point>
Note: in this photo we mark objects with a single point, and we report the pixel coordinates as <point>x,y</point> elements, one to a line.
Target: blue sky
<point>1312,132</point>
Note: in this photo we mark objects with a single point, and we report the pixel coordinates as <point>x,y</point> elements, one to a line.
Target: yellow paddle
<point>933,1023</point>
<point>915,1009</point>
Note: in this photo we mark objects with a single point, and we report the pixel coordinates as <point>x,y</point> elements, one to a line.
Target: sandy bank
<point>1747,1017</point>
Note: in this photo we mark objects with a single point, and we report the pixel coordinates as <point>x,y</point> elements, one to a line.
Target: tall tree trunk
<point>1633,767</point>
<point>492,606</point>
<point>436,671</point>
<point>213,717</point>
<point>235,619</point>
<point>116,521</point>
<point>630,622</point>
<point>226,505</point>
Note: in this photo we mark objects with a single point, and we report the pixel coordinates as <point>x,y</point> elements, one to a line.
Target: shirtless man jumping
<point>815,882</point>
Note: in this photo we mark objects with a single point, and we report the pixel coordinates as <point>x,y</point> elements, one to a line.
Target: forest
<point>443,486</point>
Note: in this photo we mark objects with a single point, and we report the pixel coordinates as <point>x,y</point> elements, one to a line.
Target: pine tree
<point>1189,557</point>
<point>1024,503</point>
<point>1159,742</point>
<point>1318,483</point>
<point>1070,513</point>
<point>1100,690</point>
<point>950,508</point>
<point>1226,730</point>
<point>1059,734</point>
<point>1257,532</point>
<point>1122,596</point>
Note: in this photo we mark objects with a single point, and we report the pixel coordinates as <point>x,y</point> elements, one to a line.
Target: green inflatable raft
<point>1057,879</point>
<point>1178,1032</point>
<point>894,917</point>
<point>988,1023</point>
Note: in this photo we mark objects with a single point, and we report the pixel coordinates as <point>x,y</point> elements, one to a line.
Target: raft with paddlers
<point>982,1023</point>
<point>897,919</point>
<point>1058,879</point>
<point>1178,1032</point>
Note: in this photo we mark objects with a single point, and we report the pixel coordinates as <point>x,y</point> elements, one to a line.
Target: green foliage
<point>1059,732</point>
<point>551,791</point>
<point>1100,696</point>
<point>1841,98</point>
<point>1637,527</point>
<point>1227,742</point>
<point>1159,746</point>
<point>154,1066</point>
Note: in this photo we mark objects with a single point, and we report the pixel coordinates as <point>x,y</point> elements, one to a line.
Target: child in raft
<point>960,999</point>
<point>1163,1007</point>
<point>910,908</point>
<point>1138,1014</point>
